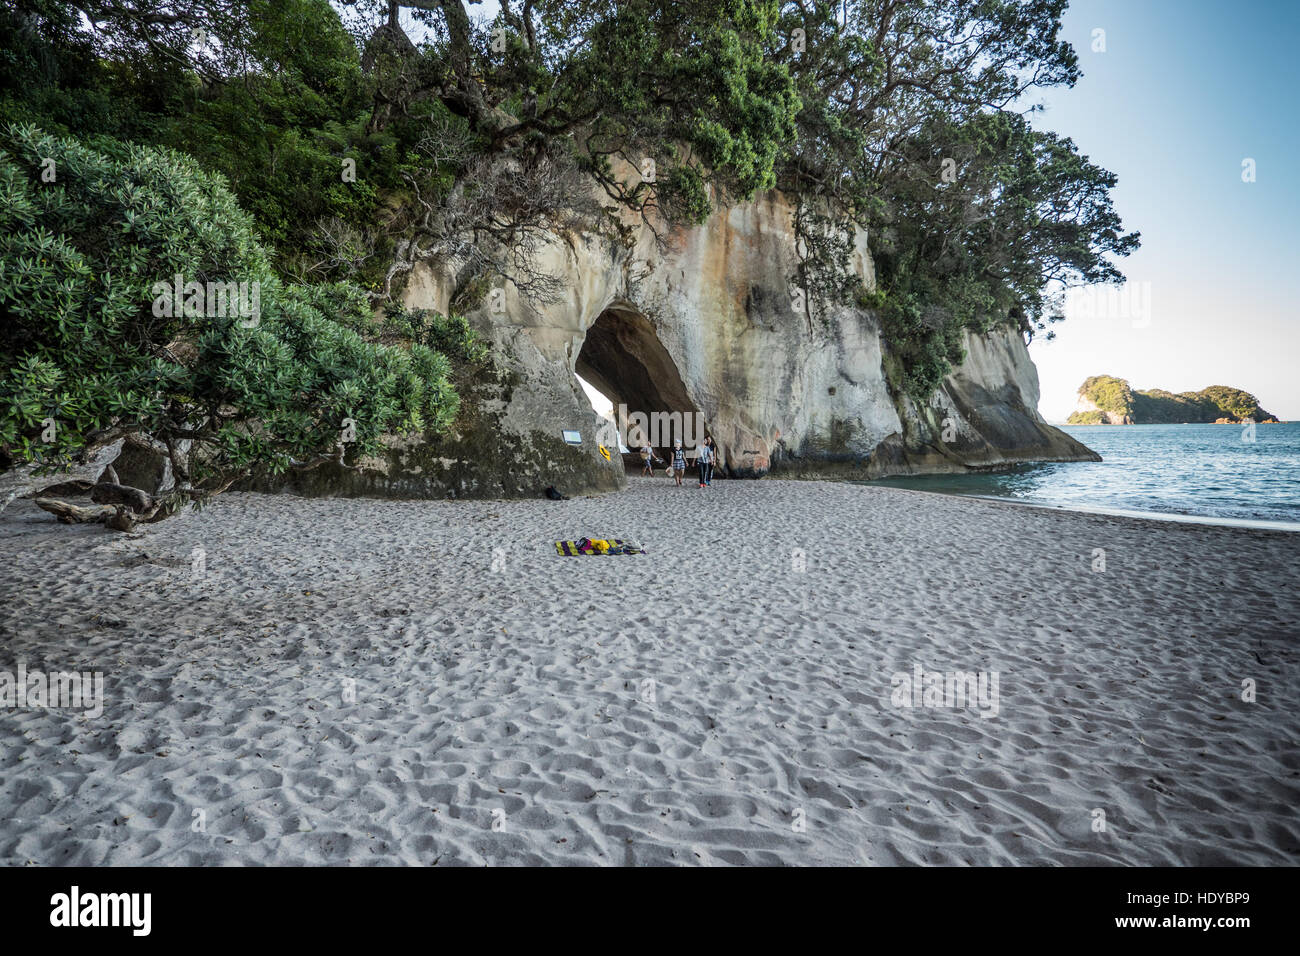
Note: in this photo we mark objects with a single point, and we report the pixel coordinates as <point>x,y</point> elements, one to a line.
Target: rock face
<point>704,324</point>
<point>142,466</point>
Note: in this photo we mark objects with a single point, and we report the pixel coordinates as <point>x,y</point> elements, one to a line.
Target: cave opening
<point>623,360</point>
<point>603,406</point>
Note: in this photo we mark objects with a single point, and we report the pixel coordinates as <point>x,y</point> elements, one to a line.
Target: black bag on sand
<point>555,495</point>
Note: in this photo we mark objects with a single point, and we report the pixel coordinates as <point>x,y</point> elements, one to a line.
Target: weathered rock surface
<point>144,466</point>
<point>706,325</point>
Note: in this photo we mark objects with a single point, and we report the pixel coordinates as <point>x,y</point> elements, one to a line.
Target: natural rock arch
<point>701,323</point>
<point>623,357</point>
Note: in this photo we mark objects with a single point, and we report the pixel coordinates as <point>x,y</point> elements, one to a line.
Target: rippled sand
<point>358,681</point>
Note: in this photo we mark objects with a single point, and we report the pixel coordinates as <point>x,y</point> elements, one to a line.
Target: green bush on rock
<point>448,334</point>
<point>239,372</point>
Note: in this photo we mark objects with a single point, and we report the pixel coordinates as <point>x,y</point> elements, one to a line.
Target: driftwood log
<point>75,514</point>
<point>123,506</point>
<point>116,506</point>
<point>88,466</point>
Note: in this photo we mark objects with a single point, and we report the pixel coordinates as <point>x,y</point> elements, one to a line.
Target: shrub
<point>91,241</point>
<point>450,334</point>
<point>922,344</point>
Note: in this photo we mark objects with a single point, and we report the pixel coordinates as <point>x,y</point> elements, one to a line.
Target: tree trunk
<point>75,514</point>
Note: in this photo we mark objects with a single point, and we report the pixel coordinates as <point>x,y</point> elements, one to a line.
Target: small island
<point>1107,400</point>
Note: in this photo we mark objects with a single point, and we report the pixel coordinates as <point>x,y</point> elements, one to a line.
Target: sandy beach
<point>366,681</point>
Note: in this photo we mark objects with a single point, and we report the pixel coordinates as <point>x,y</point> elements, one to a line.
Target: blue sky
<point>1185,90</point>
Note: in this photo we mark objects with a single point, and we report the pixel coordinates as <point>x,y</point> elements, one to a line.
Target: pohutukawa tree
<point>474,140</point>
<point>912,127</point>
<point>900,117</point>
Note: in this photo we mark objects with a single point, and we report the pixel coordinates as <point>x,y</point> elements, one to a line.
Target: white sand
<point>520,687</point>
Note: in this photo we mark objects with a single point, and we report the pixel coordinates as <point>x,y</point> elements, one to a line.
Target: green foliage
<point>1234,403</point>
<point>99,347</point>
<point>921,346</point>
<point>685,84</point>
<point>292,106</point>
<point>451,335</point>
<point>1109,394</point>
<point>690,192</point>
<point>858,121</point>
<point>1160,407</point>
<point>1018,211</point>
<point>1087,418</point>
<point>277,101</point>
<point>895,95</point>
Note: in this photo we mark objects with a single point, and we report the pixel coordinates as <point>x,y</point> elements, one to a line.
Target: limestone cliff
<point>704,322</point>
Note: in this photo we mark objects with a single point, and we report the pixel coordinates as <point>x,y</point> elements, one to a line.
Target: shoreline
<point>1253,524</point>
<point>354,681</point>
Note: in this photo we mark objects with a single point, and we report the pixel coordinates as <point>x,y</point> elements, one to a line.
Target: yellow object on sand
<point>587,546</point>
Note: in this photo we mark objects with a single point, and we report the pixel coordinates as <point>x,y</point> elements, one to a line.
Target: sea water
<point>1228,474</point>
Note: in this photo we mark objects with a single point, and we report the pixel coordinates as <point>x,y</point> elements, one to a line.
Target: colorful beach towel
<point>597,546</point>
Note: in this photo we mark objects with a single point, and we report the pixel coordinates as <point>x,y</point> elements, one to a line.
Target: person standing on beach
<point>647,460</point>
<point>679,462</point>
<point>706,462</point>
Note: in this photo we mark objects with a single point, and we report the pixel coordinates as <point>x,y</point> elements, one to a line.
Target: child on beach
<point>647,460</point>
<point>679,462</point>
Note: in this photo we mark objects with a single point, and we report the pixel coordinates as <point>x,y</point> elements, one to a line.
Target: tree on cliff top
<point>853,107</point>
<point>473,141</point>
<point>470,142</point>
<point>909,129</point>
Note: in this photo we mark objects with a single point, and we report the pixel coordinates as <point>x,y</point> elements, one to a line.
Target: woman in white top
<point>706,463</point>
